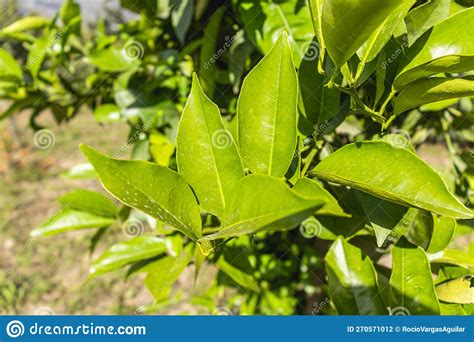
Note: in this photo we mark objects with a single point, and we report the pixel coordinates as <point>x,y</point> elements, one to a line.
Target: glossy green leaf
<point>411,283</point>
<point>347,25</point>
<point>162,274</point>
<point>382,34</point>
<point>380,169</point>
<point>90,201</point>
<point>431,232</point>
<point>265,21</point>
<point>113,59</point>
<point>319,104</point>
<point>460,291</point>
<point>150,188</point>
<point>424,17</point>
<point>207,155</point>
<point>445,48</point>
<point>69,11</point>
<point>124,253</point>
<point>239,276</point>
<point>433,90</point>
<point>452,257</point>
<point>9,67</point>
<point>264,203</point>
<point>68,220</point>
<point>267,111</point>
<point>352,281</point>
<point>37,53</point>
<point>312,189</point>
<point>26,23</point>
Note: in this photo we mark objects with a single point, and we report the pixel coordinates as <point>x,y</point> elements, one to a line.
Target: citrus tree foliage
<point>293,166</point>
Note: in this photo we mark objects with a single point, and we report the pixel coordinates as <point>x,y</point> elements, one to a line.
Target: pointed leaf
<point>153,189</point>
<point>380,169</point>
<point>431,232</point>
<point>411,283</point>
<point>124,253</point>
<point>460,291</point>
<point>239,276</point>
<point>264,203</point>
<point>68,220</point>
<point>352,281</point>
<point>267,112</point>
<point>433,90</point>
<point>90,201</point>
<point>26,23</point>
<point>9,67</point>
<point>445,48</point>
<point>207,156</point>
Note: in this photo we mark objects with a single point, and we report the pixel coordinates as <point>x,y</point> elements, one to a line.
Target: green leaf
<point>460,291</point>
<point>162,274</point>
<point>90,201</point>
<point>347,25</point>
<point>319,104</point>
<point>182,17</point>
<point>433,89</point>
<point>379,38</point>
<point>207,156</point>
<point>352,281</point>
<point>312,189</point>
<point>68,220</point>
<point>124,253</point>
<point>240,277</point>
<point>153,189</point>
<point>265,21</point>
<point>411,283</point>
<point>380,169</point>
<point>25,24</point>
<point>452,257</point>
<point>431,232</point>
<point>252,212</point>
<point>113,59</point>
<point>107,113</point>
<point>267,113</point>
<point>447,48</point>
<point>424,17</point>
<point>9,67</point>
<point>69,11</point>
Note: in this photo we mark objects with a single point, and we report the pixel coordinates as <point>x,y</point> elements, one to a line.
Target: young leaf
<point>25,24</point>
<point>90,201</point>
<point>267,112</point>
<point>447,48</point>
<point>239,276</point>
<point>352,281</point>
<point>162,274</point>
<point>312,189</point>
<point>153,189</point>
<point>391,173</point>
<point>9,67</point>
<point>347,25</point>
<point>112,59</point>
<point>264,203</point>
<point>431,232</point>
<point>424,17</point>
<point>411,284</point>
<point>432,89</point>
<point>124,253</point>
<point>182,17</point>
<point>460,291</point>
<point>207,156</point>
<point>68,220</point>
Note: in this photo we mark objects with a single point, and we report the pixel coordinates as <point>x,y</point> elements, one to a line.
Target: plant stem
<point>308,160</point>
